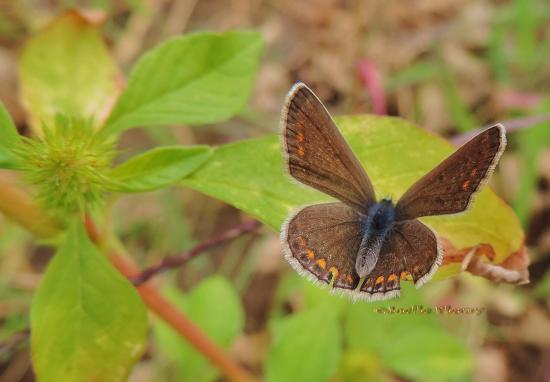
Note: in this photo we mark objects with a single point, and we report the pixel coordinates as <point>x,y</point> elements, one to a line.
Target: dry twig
<point>177,261</point>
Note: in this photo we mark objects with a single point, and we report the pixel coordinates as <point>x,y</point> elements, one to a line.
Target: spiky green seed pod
<point>67,166</point>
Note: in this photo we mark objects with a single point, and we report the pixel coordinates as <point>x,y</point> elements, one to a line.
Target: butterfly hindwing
<point>449,187</point>
<point>321,242</point>
<point>412,251</point>
<point>317,154</point>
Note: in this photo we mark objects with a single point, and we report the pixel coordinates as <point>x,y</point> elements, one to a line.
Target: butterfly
<point>361,246</point>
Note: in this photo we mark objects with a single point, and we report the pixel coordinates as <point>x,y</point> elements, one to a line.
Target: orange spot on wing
<point>301,151</point>
<point>334,271</point>
<point>465,185</point>
<point>349,279</point>
<point>392,278</point>
<point>300,137</point>
<point>404,275</point>
<point>379,280</point>
<point>310,254</point>
<point>321,263</point>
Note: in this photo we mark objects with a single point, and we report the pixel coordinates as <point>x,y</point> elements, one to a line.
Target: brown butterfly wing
<point>449,187</point>
<point>410,251</point>
<point>317,154</point>
<point>321,242</point>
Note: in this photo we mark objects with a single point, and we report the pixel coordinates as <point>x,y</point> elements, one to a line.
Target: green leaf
<point>158,168</point>
<point>249,175</point>
<point>413,345</point>
<point>9,137</point>
<point>542,290</point>
<point>66,69</point>
<point>420,72</point>
<point>531,143</point>
<point>496,52</point>
<point>362,366</point>
<point>8,132</point>
<point>196,79</point>
<point>526,29</point>
<point>87,321</point>
<point>215,307</point>
<point>459,111</point>
<point>7,160</point>
<point>306,347</point>
<point>293,287</point>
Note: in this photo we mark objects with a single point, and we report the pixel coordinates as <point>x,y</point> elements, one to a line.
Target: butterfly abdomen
<point>376,226</point>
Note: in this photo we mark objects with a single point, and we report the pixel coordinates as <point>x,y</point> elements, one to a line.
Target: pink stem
<point>372,81</point>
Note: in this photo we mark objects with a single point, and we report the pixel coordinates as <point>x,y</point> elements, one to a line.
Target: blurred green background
<point>449,66</point>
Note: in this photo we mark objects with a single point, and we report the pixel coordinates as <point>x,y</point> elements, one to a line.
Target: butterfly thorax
<point>379,219</point>
<point>376,226</point>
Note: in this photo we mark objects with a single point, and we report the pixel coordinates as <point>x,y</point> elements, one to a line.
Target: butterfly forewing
<point>410,252</point>
<point>321,241</point>
<point>449,187</point>
<point>317,154</point>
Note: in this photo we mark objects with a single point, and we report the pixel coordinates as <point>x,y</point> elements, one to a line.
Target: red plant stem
<point>172,316</point>
<point>177,261</point>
